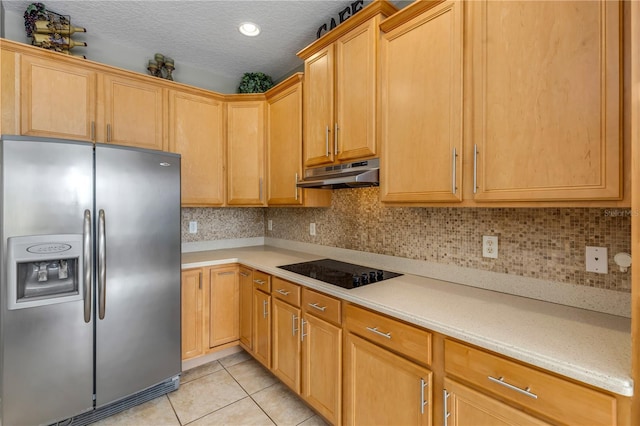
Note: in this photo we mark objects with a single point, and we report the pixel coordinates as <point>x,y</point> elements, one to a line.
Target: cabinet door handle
<point>335,139</point>
<point>260,189</point>
<point>283,292</point>
<point>93,130</point>
<point>379,333</point>
<point>445,401</point>
<point>302,333</point>
<point>294,321</point>
<point>525,391</point>
<point>475,168</point>
<point>200,281</point>
<point>264,309</point>
<point>326,140</point>
<point>453,179</point>
<point>423,385</point>
<point>108,133</point>
<point>296,187</point>
<point>318,307</point>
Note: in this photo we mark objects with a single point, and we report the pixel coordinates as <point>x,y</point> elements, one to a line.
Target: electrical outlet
<point>490,246</point>
<point>269,225</point>
<point>312,229</point>
<point>193,227</point>
<point>596,260</point>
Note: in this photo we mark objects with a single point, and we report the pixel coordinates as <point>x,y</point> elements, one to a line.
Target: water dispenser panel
<point>44,269</point>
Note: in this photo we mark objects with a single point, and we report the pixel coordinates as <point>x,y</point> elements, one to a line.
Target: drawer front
<point>321,305</point>
<point>262,281</point>
<point>405,339</point>
<point>286,291</point>
<point>551,396</point>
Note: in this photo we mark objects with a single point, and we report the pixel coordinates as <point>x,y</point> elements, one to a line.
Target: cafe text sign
<point>343,15</point>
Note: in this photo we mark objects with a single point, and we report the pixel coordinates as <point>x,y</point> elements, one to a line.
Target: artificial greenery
<point>255,82</point>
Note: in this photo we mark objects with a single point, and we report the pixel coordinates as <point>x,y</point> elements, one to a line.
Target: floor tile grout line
<point>175,413</point>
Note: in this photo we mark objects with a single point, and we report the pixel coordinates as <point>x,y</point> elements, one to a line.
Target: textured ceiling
<point>204,34</point>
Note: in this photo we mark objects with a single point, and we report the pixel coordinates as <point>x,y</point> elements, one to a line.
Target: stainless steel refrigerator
<point>90,280</point>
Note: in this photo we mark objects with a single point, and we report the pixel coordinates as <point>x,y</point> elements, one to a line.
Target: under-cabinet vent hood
<point>358,174</point>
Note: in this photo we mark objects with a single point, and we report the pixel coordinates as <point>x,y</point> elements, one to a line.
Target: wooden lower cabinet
<point>467,407</point>
<point>322,366</point>
<point>382,388</point>
<point>224,306</point>
<point>246,308</point>
<point>286,344</point>
<point>192,310</point>
<point>262,327</point>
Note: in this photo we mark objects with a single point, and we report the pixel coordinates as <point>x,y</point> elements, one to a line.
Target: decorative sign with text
<point>343,15</point>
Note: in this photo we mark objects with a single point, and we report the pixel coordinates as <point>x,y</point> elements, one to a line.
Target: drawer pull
<point>283,292</point>
<point>244,274</point>
<point>261,282</point>
<point>526,391</point>
<point>318,307</point>
<point>378,332</point>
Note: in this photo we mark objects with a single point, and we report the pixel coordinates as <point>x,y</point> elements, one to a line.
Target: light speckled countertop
<point>588,346</point>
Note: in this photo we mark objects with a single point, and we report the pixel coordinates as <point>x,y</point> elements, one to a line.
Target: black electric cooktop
<point>342,274</point>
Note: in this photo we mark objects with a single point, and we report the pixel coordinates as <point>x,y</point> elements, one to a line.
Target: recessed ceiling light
<point>249,29</point>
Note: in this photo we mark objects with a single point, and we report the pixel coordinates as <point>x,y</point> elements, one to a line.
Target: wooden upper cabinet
<point>318,108</point>
<point>545,87</point>
<point>245,153</point>
<point>131,112</point>
<point>421,106</point>
<point>196,131</point>
<point>340,89</point>
<point>58,99</point>
<point>284,143</point>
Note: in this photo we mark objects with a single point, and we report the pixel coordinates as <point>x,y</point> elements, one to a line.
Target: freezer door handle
<point>86,252</point>
<point>102,265</point>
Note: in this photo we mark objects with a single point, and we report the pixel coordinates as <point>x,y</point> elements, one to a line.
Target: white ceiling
<point>203,34</point>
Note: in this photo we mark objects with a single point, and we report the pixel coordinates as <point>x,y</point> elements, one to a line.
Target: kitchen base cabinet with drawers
<point>502,383</point>
<point>261,345</point>
<point>386,380</point>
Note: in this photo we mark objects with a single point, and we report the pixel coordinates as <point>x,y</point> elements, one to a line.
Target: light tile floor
<point>235,390</point>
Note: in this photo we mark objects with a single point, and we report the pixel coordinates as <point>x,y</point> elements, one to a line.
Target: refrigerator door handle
<point>102,265</point>
<point>86,251</point>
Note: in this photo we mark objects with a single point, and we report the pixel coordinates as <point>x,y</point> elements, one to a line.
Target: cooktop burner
<point>346,275</point>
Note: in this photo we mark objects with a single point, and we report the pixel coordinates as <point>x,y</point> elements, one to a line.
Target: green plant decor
<point>255,82</point>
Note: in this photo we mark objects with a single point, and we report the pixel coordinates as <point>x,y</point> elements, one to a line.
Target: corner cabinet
<point>284,148</point>
<point>546,93</point>
<point>196,131</point>
<point>245,151</point>
<point>421,105</point>
<point>340,89</point>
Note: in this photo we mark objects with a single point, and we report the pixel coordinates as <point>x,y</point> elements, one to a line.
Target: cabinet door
<point>284,147</point>
<point>318,108</point>
<point>356,64</point>
<point>286,344</point>
<point>262,327</point>
<point>322,366</point>
<point>245,147</point>
<point>192,319</point>
<point>382,388</point>
<point>224,305</point>
<point>546,99</point>
<point>133,112</point>
<point>58,100</point>
<point>196,131</point>
<point>246,308</point>
<point>421,107</point>
<point>467,407</point>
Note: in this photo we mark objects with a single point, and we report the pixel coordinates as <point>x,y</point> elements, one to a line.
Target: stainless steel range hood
<point>358,174</point>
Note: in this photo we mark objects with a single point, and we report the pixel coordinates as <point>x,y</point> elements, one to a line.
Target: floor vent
<point>124,404</point>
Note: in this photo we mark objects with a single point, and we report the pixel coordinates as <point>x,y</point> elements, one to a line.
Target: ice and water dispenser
<point>43,270</point>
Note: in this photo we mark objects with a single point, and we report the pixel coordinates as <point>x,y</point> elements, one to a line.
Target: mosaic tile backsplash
<point>547,243</point>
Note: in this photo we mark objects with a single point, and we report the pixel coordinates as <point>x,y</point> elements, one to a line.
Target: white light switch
<point>193,227</point>
<point>596,260</point>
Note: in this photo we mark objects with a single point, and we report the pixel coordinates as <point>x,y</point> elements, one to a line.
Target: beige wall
<point>540,243</point>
